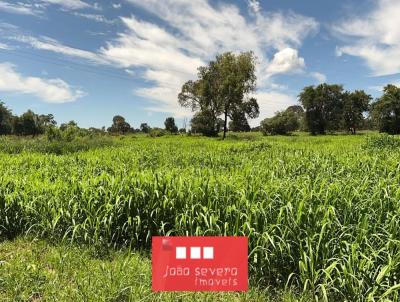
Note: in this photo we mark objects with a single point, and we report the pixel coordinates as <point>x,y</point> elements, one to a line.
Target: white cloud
<point>286,61</point>
<point>95,17</point>
<point>254,6</point>
<point>379,88</point>
<point>374,37</point>
<point>194,33</point>
<point>18,8</point>
<point>320,77</point>
<point>52,45</point>
<point>116,5</point>
<point>69,4</point>
<point>5,46</point>
<point>49,90</point>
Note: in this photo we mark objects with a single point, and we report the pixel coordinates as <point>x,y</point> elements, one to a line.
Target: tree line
<point>224,89</point>
<point>222,99</point>
<point>32,124</point>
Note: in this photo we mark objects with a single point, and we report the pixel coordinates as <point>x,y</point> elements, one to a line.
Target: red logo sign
<point>200,263</point>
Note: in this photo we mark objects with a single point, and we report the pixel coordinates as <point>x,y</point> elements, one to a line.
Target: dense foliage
<point>223,88</point>
<point>284,122</point>
<point>322,213</point>
<point>386,111</point>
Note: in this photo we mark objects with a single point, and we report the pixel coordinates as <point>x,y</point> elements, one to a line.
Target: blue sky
<point>88,61</point>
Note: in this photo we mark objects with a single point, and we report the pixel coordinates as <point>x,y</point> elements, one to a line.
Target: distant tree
<point>170,125</point>
<point>386,111</point>
<point>324,106</point>
<point>223,88</point>
<point>145,128</point>
<point>182,130</point>
<point>47,120</point>
<point>27,124</point>
<point>70,124</point>
<point>119,125</point>
<point>282,123</point>
<point>5,120</point>
<point>355,104</point>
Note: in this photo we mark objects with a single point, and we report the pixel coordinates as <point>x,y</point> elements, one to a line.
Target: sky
<point>88,61</point>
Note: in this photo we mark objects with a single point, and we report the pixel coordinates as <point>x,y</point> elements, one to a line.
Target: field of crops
<point>322,213</point>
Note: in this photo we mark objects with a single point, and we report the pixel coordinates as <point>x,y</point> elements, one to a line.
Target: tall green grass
<point>322,213</point>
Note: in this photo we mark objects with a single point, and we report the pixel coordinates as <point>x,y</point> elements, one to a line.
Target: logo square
<point>195,252</point>
<point>208,252</point>
<point>180,252</point>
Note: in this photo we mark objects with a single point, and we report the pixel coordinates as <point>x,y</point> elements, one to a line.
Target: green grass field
<point>322,215</point>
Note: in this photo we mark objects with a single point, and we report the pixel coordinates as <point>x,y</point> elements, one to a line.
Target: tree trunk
<point>225,124</point>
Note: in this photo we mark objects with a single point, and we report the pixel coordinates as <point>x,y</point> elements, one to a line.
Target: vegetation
<point>170,125</point>
<point>222,89</point>
<point>321,212</point>
<point>119,125</point>
<point>284,122</point>
<point>386,111</point>
<point>32,270</point>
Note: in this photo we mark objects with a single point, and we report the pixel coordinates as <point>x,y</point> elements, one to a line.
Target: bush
<point>382,142</point>
<point>157,132</point>
<point>282,123</point>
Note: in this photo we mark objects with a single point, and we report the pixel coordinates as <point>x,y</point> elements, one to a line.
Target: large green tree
<point>223,88</point>
<point>355,104</point>
<point>5,120</point>
<point>386,111</point>
<point>323,107</point>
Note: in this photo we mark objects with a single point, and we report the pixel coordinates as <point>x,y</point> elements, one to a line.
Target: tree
<point>27,124</point>
<point>386,111</point>
<point>145,128</point>
<point>170,125</point>
<point>47,120</point>
<point>5,120</point>
<point>119,125</point>
<point>239,123</point>
<point>324,106</point>
<point>282,123</point>
<point>354,106</point>
<point>70,124</point>
<point>223,88</point>
<point>204,122</point>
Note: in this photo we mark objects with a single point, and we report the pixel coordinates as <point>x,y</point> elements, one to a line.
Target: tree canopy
<point>170,125</point>
<point>223,88</point>
<point>119,125</point>
<point>386,111</point>
<point>323,107</point>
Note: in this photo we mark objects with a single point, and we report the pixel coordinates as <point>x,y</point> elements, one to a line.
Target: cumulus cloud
<point>286,61</point>
<point>49,90</point>
<point>194,32</point>
<point>373,37</point>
